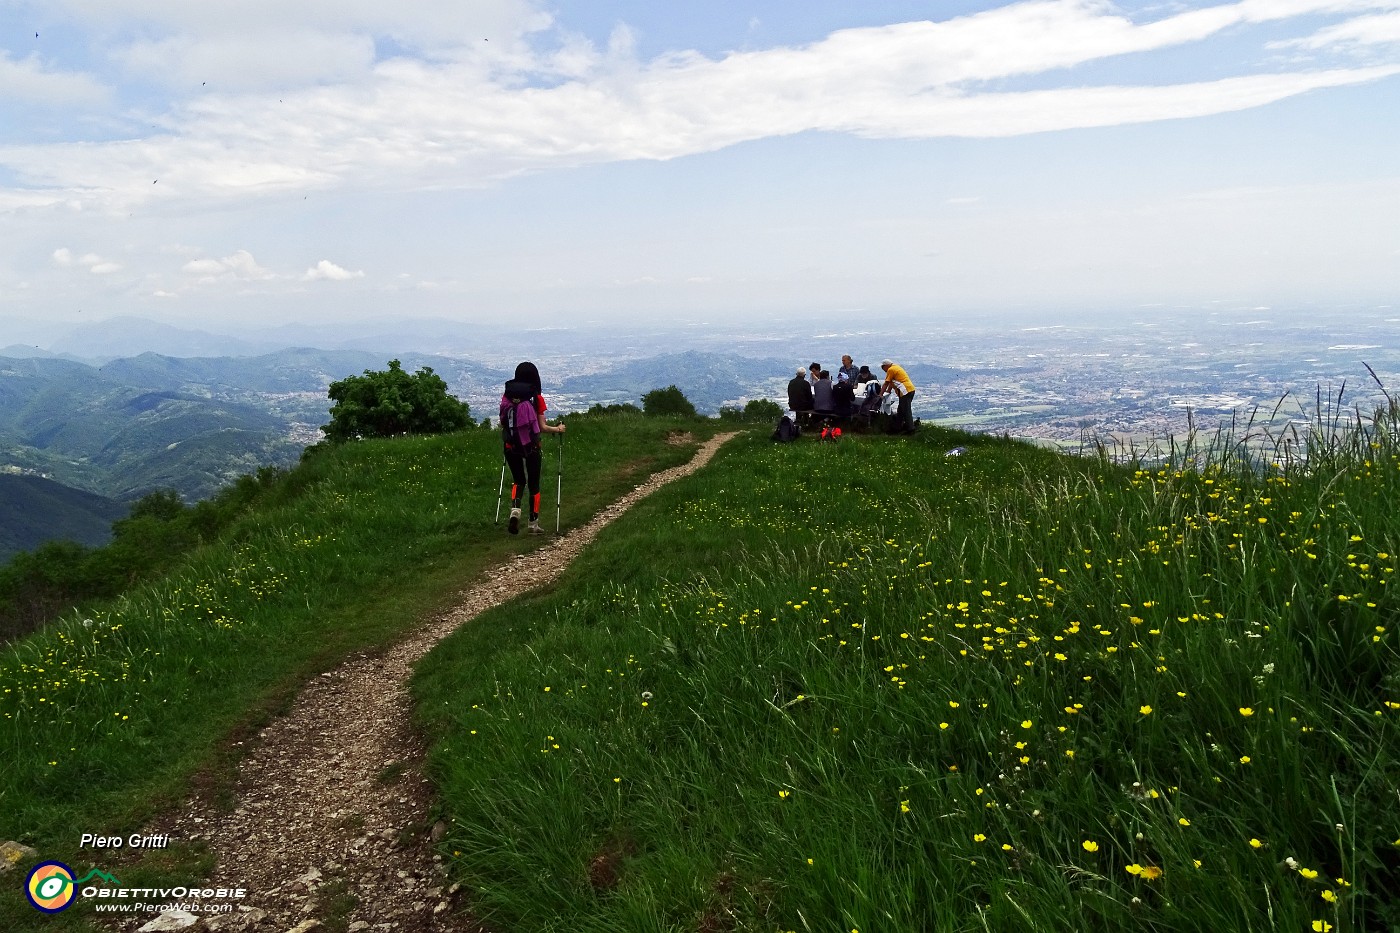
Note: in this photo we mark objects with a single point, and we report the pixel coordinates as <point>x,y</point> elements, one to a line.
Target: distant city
<point>1140,379</point>
<point>1129,380</point>
<point>111,411</point>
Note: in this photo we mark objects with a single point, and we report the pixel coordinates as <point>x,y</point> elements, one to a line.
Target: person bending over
<point>898,381</point>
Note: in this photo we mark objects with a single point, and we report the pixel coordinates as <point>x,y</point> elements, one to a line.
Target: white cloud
<point>234,63</point>
<point>240,266</point>
<point>28,80</point>
<point>327,270</point>
<point>94,263</point>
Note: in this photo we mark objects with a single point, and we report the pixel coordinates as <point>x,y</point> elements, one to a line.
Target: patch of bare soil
<point>331,826</point>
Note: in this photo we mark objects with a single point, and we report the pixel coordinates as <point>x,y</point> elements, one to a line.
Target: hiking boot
<point>514,526</point>
<point>535,528</point>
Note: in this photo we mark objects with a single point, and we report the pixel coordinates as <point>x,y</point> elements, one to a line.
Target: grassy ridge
<point>104,719</point>
<point>871,687</point>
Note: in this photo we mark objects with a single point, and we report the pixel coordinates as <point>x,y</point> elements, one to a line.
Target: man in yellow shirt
<point>898,380</point>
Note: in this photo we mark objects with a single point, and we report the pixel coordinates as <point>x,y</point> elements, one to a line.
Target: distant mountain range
<point>100,341</point>
<point>79,442</point>
<point>115,430</point>
<point>708,380</point>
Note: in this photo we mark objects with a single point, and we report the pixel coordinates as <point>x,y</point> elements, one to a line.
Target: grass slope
<point>105,719</point>
<point>871,687</point>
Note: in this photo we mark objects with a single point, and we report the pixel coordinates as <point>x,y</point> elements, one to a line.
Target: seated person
<point>800,397</point>
<point>823,400</point>
<point>867,383</point>
<point>844,392</point>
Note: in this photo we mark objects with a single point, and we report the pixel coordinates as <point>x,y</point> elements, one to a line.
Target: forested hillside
<point>149,422</point>
<point>34,510</point>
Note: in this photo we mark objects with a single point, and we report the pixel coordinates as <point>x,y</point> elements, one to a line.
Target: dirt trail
<point>331,825</point>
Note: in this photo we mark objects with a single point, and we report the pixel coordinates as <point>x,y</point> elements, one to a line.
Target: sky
<point>235,164</point>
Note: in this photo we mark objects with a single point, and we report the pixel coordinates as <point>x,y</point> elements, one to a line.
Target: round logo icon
<point>50,887</point>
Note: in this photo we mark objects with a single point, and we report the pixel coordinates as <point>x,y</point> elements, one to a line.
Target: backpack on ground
<point>786,430</point>
<point>520,419</point>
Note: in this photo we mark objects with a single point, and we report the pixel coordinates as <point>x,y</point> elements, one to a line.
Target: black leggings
<point>525,467</point>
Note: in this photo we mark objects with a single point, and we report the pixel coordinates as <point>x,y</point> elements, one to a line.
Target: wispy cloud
<point>1380,29</point>
<point>465,114</point>
<point>426,24</point>
<point>239,63</point>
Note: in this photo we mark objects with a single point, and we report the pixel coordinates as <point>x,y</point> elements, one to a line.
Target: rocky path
<point>331,827</point>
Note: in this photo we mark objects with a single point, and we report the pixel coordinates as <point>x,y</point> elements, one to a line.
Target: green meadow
<point>863,686</point>
<point>111,714</point>
<point>872,687</point>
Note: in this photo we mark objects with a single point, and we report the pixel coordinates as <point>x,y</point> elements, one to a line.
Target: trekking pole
<point>559,488</point>
<point>500,492</point>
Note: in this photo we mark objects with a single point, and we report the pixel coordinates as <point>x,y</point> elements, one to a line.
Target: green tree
<point>757,411</point>
<point>391,402</point>
<point>163,505</point>
<point>624,408</point>
<point>667,401</point>
<point>762,410</point>
<point>37,585</point>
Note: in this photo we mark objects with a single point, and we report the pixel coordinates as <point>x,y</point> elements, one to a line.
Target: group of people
<point>814,395</point>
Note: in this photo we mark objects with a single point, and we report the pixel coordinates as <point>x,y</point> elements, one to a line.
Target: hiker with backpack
<point>522,423</point>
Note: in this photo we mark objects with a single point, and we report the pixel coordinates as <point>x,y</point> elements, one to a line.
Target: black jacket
<point>800,394</point>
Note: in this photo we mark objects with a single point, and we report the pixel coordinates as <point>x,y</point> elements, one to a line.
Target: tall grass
<point>107,717</point>
<point>873,687</point>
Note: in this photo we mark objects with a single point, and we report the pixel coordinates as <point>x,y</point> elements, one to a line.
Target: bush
<point>157,534</point>
<point>667,401</point>
<point>625,408</point>
<point>36,586</point>
<point>762,410</point>
<point>757,411</point>
<point>390,403</point>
